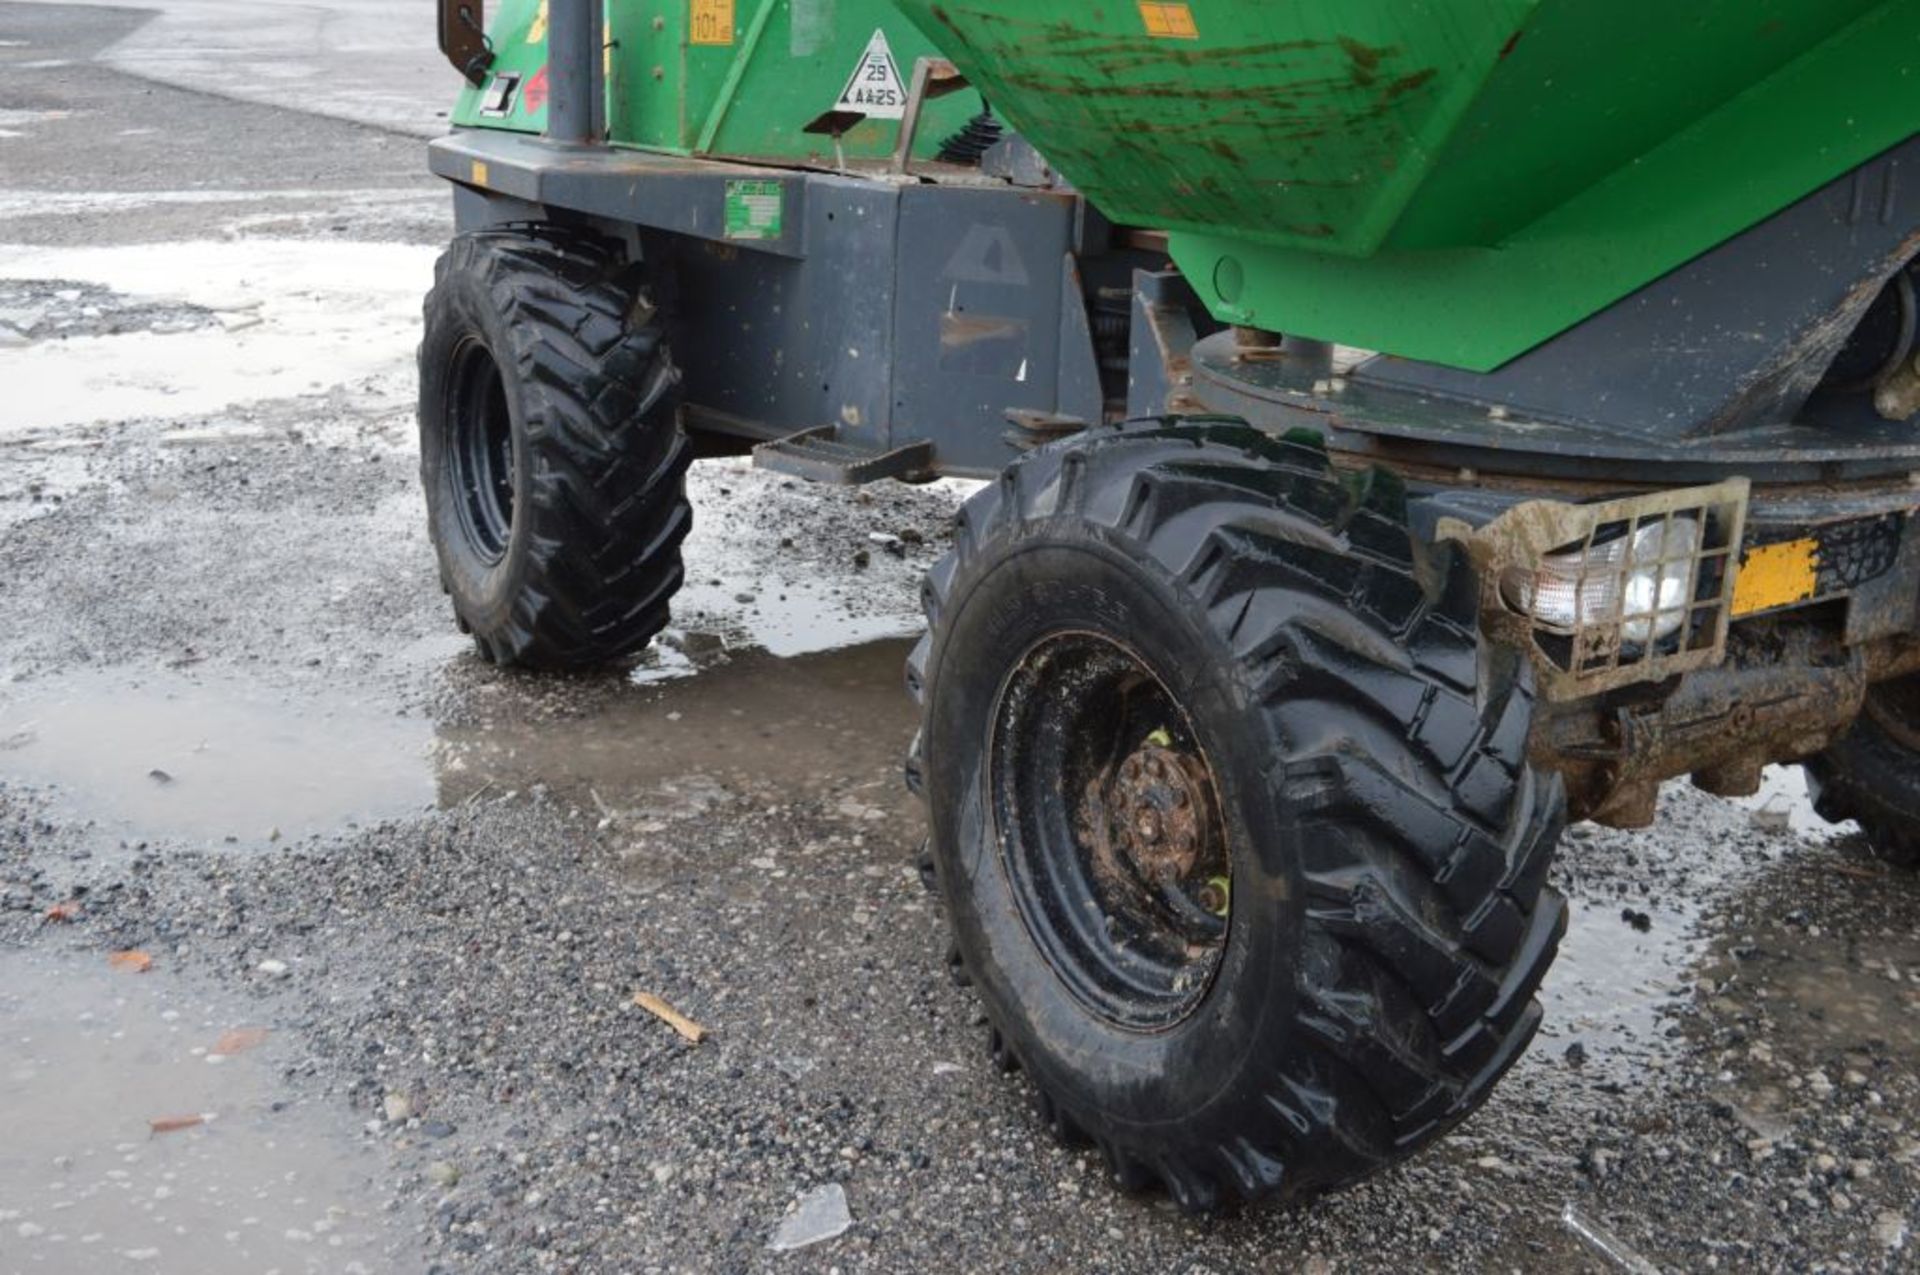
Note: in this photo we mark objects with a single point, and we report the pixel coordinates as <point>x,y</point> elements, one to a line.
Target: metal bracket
<point>463,38</point>
<point>933,78</point>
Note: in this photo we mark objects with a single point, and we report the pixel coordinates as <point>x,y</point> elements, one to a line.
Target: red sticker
<point>533,98</point>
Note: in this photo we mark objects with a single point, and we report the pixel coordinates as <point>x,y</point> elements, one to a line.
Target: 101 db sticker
<point>711,22</point>
<point>874,90</point>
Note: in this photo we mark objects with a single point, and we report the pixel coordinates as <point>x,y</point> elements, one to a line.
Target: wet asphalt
<point>397,903</point>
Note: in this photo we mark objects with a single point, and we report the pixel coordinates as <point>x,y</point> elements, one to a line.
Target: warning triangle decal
<point>874,89</point>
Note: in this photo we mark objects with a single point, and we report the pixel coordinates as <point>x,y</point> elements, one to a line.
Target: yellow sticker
<point>479,173</point>
<point>1776,575</point>
<point>1168,21</point>
<point>712,22</point>
<point>537,32</point>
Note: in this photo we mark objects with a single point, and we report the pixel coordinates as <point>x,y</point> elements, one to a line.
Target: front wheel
<point>551,448</point>
<point>1239,844</point>
<point>1873,773</point>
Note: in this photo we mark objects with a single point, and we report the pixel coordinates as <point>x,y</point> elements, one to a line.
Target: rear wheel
<point>551,448</point>
<point>1873,774</point>
<point>1238,842</point>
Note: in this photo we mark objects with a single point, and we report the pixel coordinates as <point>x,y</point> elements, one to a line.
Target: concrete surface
<point>368,61</point>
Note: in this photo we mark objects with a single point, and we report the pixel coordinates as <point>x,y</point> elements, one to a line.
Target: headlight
<point>1640,579</point>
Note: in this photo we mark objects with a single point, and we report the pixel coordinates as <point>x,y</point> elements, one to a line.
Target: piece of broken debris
<point>819,1215</point>
<point>693,1032</point>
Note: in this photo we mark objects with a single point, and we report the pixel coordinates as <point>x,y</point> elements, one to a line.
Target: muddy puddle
<point>794,728</point>
<point>256,1179</point>
<point>1611,992</point>
<point>1858,994</point>
<point>210,760</point>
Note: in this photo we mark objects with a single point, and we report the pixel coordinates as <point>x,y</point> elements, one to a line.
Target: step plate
<point>818,456</point>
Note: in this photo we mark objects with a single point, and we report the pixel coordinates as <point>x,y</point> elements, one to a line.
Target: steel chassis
<point>915,320</point>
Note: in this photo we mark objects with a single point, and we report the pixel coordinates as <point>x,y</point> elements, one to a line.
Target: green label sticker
<point>753,210</point>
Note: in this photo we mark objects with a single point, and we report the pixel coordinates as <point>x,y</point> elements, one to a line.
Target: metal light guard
<point>1587,656</point>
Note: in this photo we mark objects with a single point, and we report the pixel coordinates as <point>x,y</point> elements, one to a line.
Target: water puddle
<point>208,760</point>
<point>793,728</point>
<point>90,1059</point>
<point>1616,979</point>
<point>1630,965</point>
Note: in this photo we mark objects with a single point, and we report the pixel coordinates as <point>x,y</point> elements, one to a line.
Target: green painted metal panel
<point>518,32</point>
<point>739,79</point>
<point>1307,124</point>
<point>1454,180</point>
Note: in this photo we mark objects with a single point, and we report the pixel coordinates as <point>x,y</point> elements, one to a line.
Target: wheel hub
<point>1110,829</point>
<point>1160,813</point>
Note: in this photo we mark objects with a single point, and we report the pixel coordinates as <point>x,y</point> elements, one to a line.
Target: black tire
<point>1388,921</point>
<point>1873,774</point>
<point>551,449</point>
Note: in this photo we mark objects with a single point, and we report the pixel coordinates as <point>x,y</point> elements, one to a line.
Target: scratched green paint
<point>1454,180</point>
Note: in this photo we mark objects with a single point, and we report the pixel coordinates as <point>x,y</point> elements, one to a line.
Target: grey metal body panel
<point>771,345</point>
<point>1412,427</point>
<point>895,311</point>
<point>621,187</point>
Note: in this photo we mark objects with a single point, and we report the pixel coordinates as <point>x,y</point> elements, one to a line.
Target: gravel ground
<point>237,734</point>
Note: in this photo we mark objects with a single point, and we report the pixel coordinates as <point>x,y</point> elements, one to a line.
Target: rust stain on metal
<point>958,331</point>
<point>1364,56</point>
<point>1785,691</point>
<point>1409,83</point>
<point>1161,813</point>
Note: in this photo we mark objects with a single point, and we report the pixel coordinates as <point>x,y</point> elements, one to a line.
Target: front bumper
<point>1793,609</point>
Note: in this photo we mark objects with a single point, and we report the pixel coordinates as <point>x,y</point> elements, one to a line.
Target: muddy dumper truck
<point>1407,427</point>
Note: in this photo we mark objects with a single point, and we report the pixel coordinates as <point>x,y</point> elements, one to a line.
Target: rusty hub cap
<point>1161,813</point>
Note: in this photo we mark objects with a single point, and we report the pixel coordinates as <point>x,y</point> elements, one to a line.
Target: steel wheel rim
<point>479,433</point>
<point>1107,817</point>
